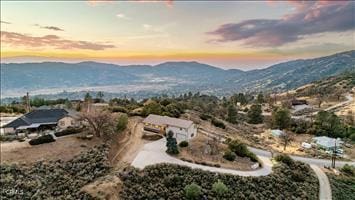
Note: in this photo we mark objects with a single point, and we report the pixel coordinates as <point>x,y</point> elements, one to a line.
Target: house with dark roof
<point>41,119</point>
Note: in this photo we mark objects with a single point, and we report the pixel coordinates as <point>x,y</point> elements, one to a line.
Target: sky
<point>227,34</point>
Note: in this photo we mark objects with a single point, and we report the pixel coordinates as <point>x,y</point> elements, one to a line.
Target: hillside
<point>169,77</point>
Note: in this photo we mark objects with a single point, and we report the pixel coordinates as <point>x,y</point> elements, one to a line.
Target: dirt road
<point>131,145</point>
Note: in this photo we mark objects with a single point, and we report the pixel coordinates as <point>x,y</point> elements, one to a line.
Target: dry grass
<point>65,148</point>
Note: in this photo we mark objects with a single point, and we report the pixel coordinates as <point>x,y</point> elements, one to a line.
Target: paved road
<point>311,161</point>
<point>325,191</point>
<point>154,153</point>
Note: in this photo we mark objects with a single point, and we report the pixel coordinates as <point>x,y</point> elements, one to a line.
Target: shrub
<point>192,191</point>
<point>241,150</point>
<point>118,109</point>
<point>205,116</point>
<point>68,131</point>
<point>342,187</point>
<point>54,179</point>
<point>149,183</point>
<point>229,155</point>
<point>348,169</point>
<point>122,123</point>
<point>217,165</point>
<point>219,188</point>
<point>218,123</point>
<point>42,139</point>
<point>8,138</point>
<point>284,159</point>
<point>352,137</point>
<point>183,144</point>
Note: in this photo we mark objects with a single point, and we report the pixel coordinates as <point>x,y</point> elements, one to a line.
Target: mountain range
<point>168,78</point>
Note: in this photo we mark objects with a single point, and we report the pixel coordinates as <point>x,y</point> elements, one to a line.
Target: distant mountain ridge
<point>168,77</point>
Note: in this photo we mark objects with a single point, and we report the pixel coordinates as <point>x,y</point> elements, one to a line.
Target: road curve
<point>311,161</point>
<point>154,153</point>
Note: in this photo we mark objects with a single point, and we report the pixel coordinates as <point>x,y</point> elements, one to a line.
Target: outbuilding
<point>327,143</point>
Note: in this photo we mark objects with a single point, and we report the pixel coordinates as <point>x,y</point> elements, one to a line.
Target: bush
<point>342,187</point>
<point>348,169</point>
<point>68,131</point>
<point>218,123</point>
<point>242,150</point>
<point>229,155</point>
<point>284,159</point>
<point>122,123</point>
<point>183,144</point>
<point>205,116</point>
<point>219,188</point>
<point>8,138</point>
<point>54,179</point>
<point>118,109</point>
<point>149,183</point>
<point>42,139</point>
<point>352,137</point>
<point>192,191</point>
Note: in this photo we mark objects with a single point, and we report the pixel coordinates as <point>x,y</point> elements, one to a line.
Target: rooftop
<point>327,141</point>
<point>165,120</point>
<point>39,116</point>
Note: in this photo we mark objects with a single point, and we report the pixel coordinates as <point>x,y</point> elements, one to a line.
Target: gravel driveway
<point>154,153</point>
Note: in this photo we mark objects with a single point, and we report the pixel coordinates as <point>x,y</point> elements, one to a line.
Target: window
<point>61,123</point>
<point>192,135</point>
<point>180,129</point>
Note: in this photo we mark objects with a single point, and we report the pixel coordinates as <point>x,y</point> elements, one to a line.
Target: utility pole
<point>334,154</point>
<point>28,106</point>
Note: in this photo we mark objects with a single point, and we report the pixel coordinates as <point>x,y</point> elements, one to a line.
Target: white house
<point>182,129</point>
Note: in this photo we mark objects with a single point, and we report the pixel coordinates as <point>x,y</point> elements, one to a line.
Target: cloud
<point>5,22</point>
<point>122,16</point>
<point>168,3</point>
<point>309,17</point>
<point>54,28</point>
<point>18,39</point>
<point>147,26</point>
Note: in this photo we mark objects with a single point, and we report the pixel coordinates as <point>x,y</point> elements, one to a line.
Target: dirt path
<point>325,192</point>
<point>131,145</point>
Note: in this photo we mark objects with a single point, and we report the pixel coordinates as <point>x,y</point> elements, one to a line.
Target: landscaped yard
<point>205,150</point>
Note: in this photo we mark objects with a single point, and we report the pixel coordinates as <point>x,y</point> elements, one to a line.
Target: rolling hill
<point>169,77</point>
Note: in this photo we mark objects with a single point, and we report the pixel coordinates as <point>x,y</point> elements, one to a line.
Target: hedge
<point>68,131</point>
<point>42,139</point>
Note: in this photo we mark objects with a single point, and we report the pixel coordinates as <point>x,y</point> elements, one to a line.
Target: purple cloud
<point>313,18</point>
<point>18,39</point>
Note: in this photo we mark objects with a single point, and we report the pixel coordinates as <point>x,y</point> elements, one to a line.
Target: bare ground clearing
<point>63,148</point>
